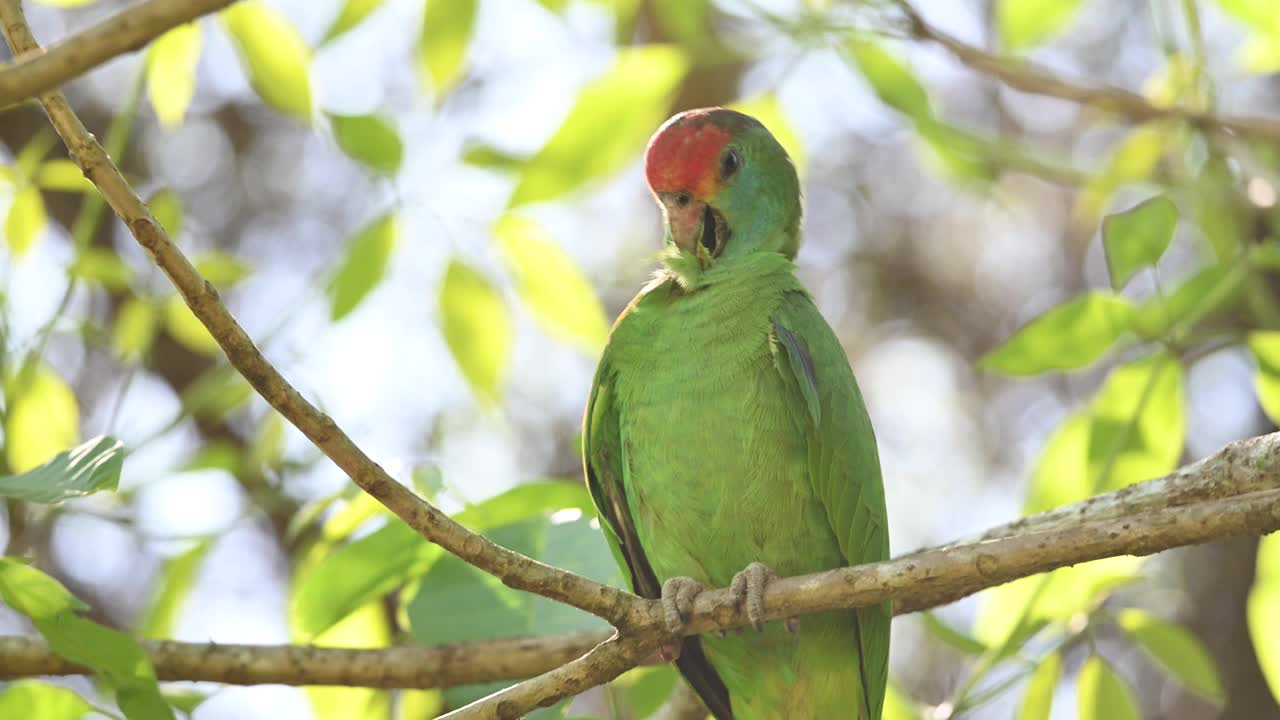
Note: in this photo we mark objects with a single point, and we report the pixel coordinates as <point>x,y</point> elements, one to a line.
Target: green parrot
<point>725,438</point>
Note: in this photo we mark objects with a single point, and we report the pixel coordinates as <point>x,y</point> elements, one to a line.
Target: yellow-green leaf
<point>1104,695</point>
<point>171,73</point>
<point>102,266</point>
<point>364,628</point>
<point>898,705</point>
<point>890,78</point>
<point>1179,652</point>
<point>1026,23</point>
<point>183,325</point>
<point>551,286</point>
<point>36,699</point>
<point>32,154</point>
<point>33,593</point>
<point>1265,347</point>
<point>368,254</point>
<point>62,175</point>
<point>166,207</point>
<point>222,269</point>
<point>134,329</point>
<point>352,13</point>
<point>275,56</point>
<point>1136,238</point>
<point>371,139</point>
<point>766,108</point>
<point>477,327</point>
<point>1066,591</point>
<point>25,220</point>
<point>65,3</point>
<point>442,49</point>
<point>1132,160</point>
<point>1037,702</point>
<point>1260,15</point>
<point>172,588</point>
<point>1264,608</point>
<point>608,125</point>
<point>1069,336</point>
<point>43,419</point>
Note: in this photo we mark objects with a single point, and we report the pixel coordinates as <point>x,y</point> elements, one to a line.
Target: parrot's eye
<point>729,163</point>
<point>683,199</point>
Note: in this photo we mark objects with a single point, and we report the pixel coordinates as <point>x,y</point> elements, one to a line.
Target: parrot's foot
<point>678,594</point>
<point>748,587</point>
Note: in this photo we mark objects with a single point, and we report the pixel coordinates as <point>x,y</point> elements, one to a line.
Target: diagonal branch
<point>514,569</point>
<point>128,30</point>
<point>1028,77</point>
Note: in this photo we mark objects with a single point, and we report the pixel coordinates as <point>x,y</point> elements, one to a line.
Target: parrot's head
<point>726,188</point>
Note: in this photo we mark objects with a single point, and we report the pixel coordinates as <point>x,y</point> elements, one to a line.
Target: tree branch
<point>130,29</point>
<point>1028,77</point>
<point>618,607</point>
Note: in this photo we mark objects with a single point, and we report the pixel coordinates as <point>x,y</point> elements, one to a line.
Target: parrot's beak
<point>690,221</point>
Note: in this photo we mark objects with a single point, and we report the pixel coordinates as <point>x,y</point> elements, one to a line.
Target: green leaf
<point>222,269</point>
<point>1104,695</point>
<point>939,629</point>
<point>217,391</point>
<point>1211,290</point>
<point>62,176</point>
<point>274,55</point>
<point>172,588</point>
<point>187,329</point>
<point>1132,160</point>
<point>1265,347</point>
<point>492,158</point>
<point>32,154</point>
<point>1038,700</point>
<point>352,13</point>
<point>371,139</point>
<point>766,108</point>
<point>368,254</point>
<point>25,221</point>
<point>361,571</point>
<point>1136,238</point>
<point>43,419</point>
<point>1263,609</point>
<point>40,700</point>
<point>166,207</point>
<point>171,73</point>
<point>608,124</point>
<point>477,327</point>
<point>1067,337</point>
<point>892,81</point>
<point>135,329</point>
<point>1179,652</point>
<point>89,468</point>
<point>900,706</point>
<point>1260,15</point>
<point>102,266</point>
<point>1026,23</point>
<point>442,48</point>
<point>645,689</point>
<point>33,593</point>
<point>551,286</point>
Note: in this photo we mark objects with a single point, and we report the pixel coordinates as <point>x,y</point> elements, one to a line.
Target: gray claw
<point>748,586</point>
<point>678,594</point>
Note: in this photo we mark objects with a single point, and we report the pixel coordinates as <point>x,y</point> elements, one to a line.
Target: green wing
<point>603,451</point>
<point>843,464</point>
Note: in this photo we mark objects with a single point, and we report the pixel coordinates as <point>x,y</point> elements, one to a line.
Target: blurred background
<point>428,223</point>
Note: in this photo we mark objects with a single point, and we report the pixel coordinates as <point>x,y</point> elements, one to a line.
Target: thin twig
<point>130,29</point>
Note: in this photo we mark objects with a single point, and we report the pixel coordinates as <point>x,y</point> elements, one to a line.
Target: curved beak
<point>688,218</point>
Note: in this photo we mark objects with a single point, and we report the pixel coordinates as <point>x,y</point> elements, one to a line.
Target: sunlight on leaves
<point>1067,591</point>
<point>1067,337</point>
<point>274,55</point>
<point>222,269</point>
<point>365,264</point>
<point>43,701</point>
<point>166,207</point>
<point>552,287</point>
<point>890,79</point>
<point>1264,608</point>
<point>25,220</point>
<point>33,593</point>
<point>477,327</point>
<point>1177,651</point>
<point>1136,238</point>
<point>173,585</point>
<point>367,627</point>
<point>43,418</point>
<point>608,124</point>
<point>898,705</point>
<point>171,73</point>
<point>1104,695</point>
<point>442,48</point>
<point>944,632</point>
<point>371,139</point>
<point>1260,15</point>
<point>1131,160</point>
<point>1209,291</point>
<point>102,266</point>
<point>1026,23</point>
<point>187,329</point>
<point>62,175</point>
<point>91,467</point>
<point>1265,348</point>
<point>1037,701</point>
<point>217,391</point>
<point>351,14</point>
<point>134,329</point>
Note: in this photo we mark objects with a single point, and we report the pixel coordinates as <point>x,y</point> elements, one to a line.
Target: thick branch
<point>1028,77</point>
<point>123,32</point>
<point>514,569</point>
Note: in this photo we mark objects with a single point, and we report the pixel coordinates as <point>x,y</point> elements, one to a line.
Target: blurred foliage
<point>361,579</point>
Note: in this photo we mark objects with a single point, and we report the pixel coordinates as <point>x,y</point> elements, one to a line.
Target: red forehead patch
<point>684,153</point>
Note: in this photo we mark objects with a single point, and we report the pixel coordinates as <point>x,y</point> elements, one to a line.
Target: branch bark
<point>128,30</point>
<point>1028,77</point>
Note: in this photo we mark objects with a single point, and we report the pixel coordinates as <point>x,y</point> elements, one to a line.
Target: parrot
<point>725,439</point>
